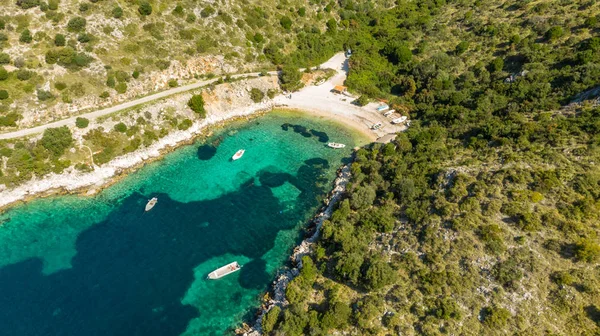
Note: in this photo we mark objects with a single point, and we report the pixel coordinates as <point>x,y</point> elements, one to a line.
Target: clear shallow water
<point>74,265</point>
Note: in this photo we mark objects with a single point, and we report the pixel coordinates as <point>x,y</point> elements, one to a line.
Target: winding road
<point>119,107</point>
<point>311,98</point>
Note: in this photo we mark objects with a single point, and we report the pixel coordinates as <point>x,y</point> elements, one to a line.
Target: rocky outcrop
<point>284,277</point>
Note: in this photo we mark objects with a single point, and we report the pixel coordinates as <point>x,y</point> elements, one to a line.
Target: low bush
<point>82,122</point>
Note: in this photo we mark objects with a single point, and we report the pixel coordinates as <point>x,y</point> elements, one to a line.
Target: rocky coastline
<point>276,294</point>
<point>90,183</point>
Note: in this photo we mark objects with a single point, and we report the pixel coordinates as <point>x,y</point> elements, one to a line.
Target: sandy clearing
<point>319,99</point>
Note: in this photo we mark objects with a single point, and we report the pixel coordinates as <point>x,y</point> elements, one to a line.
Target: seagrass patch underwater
<point>73,265</point>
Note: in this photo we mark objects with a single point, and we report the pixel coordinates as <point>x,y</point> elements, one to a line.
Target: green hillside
<point>481,219</point>
<point>62,57</point>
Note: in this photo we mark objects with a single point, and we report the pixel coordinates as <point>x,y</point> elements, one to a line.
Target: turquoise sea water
<point>74,265</point>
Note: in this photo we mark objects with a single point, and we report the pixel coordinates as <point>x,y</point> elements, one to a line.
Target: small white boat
<point>151,203</point>
<point>388,113</point>
<point>238,154</point>
<point>376,126</point>
<point>225,270</point>
<point>399,120</point>
<point>336,145</point>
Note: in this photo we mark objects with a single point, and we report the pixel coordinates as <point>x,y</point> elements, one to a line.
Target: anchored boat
<point>225,270</point>
<point>399,120</point>
<point>238,154</point>
<point>336,145</point>
<point>151,203</point>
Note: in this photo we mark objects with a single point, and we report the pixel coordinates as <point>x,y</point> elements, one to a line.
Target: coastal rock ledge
<point>283,279</point>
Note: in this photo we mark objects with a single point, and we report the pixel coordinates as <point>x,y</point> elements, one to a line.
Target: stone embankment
<point>283,279</point>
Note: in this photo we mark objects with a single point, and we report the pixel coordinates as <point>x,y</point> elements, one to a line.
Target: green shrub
<point>145,8</point>
<point>378,274</point>
<point>76,24</point>
<point>398,53</point>
<point>110,81</point>
<point>84,38</point>
<point>496,65</point>
<point>507,272</point>
<point>68,58</point>
<point>270,319</point>
<point>57,140</point>
<point>121,87</point>
<point>591,22</point>
<point>196,103</point>
<point>59,40</point>
<point>163,64</point>
<point>554,33</point>
<point>26,4</point>
<point>207,11</point>
<point>24,75</point>
<point>178,10</point>
<point>82,122</point>
<point>185,124</point>
<point>173,83</point>
<point>363,197</point>
<point>104,94</point>
<point>122,76</point>
<point>362,100</point>
<point>258,38</point>
<point>587,250</point>
<point>3,74</point>
<point>44,95</point>
<point>25,36</point>
<point>4,58</point>
<point>120,127</point>
<point>495,317</point>
<point>462,47</point>
<point>290,78</point>
<point>337,317</point>
<point>256,95</point>
<point>286,22</point>
<point>3,94</point>
<point>117,12</point>
<point>190,18</point>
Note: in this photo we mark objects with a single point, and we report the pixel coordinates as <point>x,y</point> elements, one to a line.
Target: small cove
<point>72,265</point>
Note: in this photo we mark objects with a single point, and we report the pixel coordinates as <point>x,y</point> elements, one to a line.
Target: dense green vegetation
<point>482,218</point>
<point>196,103</point>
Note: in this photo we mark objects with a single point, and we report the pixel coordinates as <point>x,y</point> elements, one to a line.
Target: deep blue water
<point>100,265</point>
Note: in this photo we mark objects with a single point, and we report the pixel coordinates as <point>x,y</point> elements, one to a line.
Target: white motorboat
<point>225,270</point>
<point>151,203</point>
<point>389,113</point>
<point>399,120</point>
<point>336,145</point>
<point>238,154</point>
<point>376,126</point>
